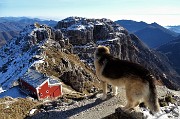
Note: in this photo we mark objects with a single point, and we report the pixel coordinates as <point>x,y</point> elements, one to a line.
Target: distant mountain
<point>153,35</point>
<point>5,36</point>
<point>8,30</point>
<point>132,26</point>
<point>174,28</point>
<point>171,50</point>
<point>26,20</point>
<point>11,26</point>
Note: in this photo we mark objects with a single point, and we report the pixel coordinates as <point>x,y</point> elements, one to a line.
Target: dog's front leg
<point>104,86</point>
<point>114,88</point>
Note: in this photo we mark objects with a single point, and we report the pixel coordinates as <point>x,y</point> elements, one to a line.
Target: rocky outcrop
<point>122,45</point>
<point>121,114</point>
<point>61,63</point>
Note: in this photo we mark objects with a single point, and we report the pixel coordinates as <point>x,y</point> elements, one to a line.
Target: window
<point>47,91</point>
<point>41,94</point>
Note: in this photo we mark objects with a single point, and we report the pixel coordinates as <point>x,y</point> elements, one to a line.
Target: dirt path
<point>93,108</point>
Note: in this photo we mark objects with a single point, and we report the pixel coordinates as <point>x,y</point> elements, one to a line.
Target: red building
<point>39,85</point>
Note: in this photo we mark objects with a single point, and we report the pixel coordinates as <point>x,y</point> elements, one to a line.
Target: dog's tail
<point>152,101</point>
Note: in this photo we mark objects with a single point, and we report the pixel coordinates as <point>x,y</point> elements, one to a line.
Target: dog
<point>138,81</point>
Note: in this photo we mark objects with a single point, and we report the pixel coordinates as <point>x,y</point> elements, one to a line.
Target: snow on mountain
<point>76,27</point>
<point>18,55</point>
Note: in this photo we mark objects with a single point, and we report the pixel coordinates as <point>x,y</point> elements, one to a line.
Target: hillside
<point>153,35</point>
<point>45,50</point>
<point>171,50</point>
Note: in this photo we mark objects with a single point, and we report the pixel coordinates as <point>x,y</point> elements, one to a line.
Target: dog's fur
<point>138,81</point>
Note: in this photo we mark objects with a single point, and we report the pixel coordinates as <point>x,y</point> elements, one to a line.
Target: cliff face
<point>86,34</point>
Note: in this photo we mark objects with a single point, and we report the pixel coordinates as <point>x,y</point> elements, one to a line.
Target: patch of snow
<point>13,92</point>
<point>90,25</point>
<point>76,27</point>
<point>38,62</point>
<point>32,111</point>
<point>39,29</point>
<point>69,19</point>
<point>109,40</point>
<point>164,75</point>
<point>120,28</point>
<point>168,112</point>
<point>1,90</point>
<point>99,23</point>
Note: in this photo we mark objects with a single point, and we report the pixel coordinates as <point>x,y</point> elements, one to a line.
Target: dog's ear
<point>108,47</point>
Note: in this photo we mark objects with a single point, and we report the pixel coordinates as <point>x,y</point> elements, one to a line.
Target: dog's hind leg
<point>133,96</point>
<point>131,103</point>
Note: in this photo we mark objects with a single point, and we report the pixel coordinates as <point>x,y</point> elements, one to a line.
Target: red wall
<point>46,91</point>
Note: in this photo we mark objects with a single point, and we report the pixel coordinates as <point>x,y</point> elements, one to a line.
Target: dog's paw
<point>103,97</point>
<point>114,93</point>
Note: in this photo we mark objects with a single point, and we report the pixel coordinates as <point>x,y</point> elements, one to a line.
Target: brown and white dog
<point>138,81</point>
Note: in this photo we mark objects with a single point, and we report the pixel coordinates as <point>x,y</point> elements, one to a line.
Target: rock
<point>121,114</point>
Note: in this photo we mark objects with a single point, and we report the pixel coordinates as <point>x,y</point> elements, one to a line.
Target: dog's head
<point>101,50</point>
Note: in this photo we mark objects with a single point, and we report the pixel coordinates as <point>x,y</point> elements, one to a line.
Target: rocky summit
<point>86,34</point>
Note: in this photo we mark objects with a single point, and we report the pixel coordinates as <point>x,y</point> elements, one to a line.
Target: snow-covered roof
<point>36,79</point>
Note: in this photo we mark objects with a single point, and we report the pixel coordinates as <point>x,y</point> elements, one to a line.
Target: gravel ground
<point>93,108</point>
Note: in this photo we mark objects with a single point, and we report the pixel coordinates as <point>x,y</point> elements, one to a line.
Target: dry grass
<point>15,108</point>
<point>53,53</point>
<point>54,61</point>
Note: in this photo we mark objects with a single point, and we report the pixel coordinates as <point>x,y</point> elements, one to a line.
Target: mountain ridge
<point>152,34</point>
<point>171,50</point>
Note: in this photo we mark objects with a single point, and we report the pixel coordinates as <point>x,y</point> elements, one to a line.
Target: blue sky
<point>164,12</point>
